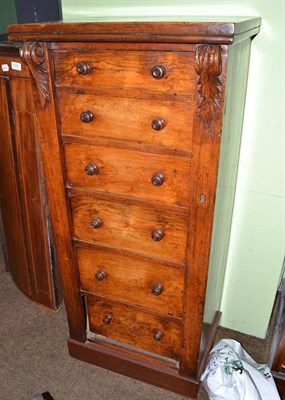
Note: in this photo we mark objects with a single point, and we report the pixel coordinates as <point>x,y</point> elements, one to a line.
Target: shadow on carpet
<point>43,396</point>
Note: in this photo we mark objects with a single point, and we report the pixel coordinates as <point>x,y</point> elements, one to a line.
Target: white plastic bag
<point>231,374</point>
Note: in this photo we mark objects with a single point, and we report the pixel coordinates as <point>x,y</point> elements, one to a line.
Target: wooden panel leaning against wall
<point>28,246</point>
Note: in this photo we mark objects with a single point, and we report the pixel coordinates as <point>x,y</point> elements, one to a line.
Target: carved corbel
<point>208,66</point>
<point>33,55</point>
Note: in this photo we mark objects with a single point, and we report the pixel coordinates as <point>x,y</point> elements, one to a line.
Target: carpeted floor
<point>34,357</point>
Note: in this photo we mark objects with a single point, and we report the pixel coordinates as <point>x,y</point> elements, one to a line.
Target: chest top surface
<point>198,30</point>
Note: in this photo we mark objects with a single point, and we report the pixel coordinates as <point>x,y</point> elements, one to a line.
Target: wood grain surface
<point>127,69</point>
<point>128,118</point>
<point>121,93</point>
<point>6,60</point>
<point>133,326</point>
<point>10,201</point>
<point>129,173</point>
<point>130,227</point>
<point>206,148</point>
<point>47,132</point>
<point>34,202</point>
<point>131,279</point>
<point>199,31</point>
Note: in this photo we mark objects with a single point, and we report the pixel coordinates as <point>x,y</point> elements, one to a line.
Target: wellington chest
<point>131,117</point>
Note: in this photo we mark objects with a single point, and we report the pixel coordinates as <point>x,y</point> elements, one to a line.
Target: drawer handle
<point>107,319</point>
<point>87,116</point>
<point>92,169</point>
<point>158,71</point>
<point>157,235</point>
<point>83,68</point>
<point>96,223</point>
<point>158,179</point>
<point>157,289</point>
<point>100,275</point>
<point>157,335</point>
<point>158,124</point>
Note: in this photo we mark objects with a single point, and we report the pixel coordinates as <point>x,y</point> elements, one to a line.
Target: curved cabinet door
<point>27,237</point>
<point>10,205</point>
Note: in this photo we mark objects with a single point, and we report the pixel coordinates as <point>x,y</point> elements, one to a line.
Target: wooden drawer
<point>126,69</point>
<point>132,279</point>
<point>128,119</point>
<point>129,173</point>
<point>128,226</point>
<point>131,325</point>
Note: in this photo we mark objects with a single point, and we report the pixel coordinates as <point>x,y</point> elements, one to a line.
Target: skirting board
<point>140,367</point>
<point>123,362</point>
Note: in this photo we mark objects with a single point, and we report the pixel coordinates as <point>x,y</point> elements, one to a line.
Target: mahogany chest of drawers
<point>130,119</point>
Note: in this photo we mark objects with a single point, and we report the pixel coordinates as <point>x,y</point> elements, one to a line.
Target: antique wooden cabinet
<point>27,235</point>
<point>130,118</point>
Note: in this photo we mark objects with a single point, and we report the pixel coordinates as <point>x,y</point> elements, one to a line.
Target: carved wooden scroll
<point>208,66</point>
<point>32,54</point>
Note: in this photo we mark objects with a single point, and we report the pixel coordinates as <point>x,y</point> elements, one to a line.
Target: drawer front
<point>129,173</point>
<point>145,121</point>
<point>130,227</point>
<point>145,330</point>
<point>135,280</point>
<point>127,69</point>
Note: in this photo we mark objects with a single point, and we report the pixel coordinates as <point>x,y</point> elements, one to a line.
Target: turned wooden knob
<point>158,124</point>
<point>157,289</point>
<point>87,116</point>
<point>157,335</point>
<point>158,71</point>
<point>83,68</point>
<point>107,319</point>
<point>157,234</point>
<point>158,179</point>
<point>96,223</point>
<point>92,169</point>
<point>100,275</point>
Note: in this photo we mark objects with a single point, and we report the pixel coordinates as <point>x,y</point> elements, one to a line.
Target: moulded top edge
<point>151,30</point>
